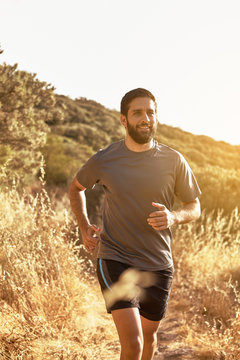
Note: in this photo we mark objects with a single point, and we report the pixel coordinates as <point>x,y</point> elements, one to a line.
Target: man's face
<point>141,120</point>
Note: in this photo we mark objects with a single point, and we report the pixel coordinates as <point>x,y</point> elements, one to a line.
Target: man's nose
<point>146,117</point>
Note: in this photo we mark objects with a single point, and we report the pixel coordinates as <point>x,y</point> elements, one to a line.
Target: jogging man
<point>140,178</point>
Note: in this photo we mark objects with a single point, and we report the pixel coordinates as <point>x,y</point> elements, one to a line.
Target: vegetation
<point>207,285</point>
<point>45,288</point>
<point>25,106</point>
<point>51,306</point>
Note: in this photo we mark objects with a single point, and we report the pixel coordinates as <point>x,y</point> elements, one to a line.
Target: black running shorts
<point>152,300</point>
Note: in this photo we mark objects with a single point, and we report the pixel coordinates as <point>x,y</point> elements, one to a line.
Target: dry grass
<point>51,306</point>
<point>208,284</point>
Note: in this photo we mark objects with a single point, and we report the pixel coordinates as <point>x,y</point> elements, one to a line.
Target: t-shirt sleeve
<point>186,186</point>
<point>89,174</point>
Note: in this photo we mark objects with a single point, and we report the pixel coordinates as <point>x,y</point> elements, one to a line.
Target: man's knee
<point>150,338</point>
<point>133,348</point>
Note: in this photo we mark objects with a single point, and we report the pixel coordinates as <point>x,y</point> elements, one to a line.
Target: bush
<point>63,158</point>
<point>220,188</point>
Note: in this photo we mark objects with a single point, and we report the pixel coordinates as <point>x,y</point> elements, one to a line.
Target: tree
<point>26,104</point>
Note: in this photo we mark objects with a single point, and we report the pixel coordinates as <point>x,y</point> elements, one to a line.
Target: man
<point>140,178</point>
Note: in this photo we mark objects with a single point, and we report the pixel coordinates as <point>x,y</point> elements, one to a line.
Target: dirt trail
<point>170,342</point>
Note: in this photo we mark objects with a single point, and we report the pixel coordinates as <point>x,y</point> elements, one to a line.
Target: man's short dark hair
<point>135,93</point>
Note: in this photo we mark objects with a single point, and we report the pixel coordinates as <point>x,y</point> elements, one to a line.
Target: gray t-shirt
<point>131,182</point>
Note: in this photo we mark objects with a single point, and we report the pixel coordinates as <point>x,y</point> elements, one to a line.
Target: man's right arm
<point>78,204</point>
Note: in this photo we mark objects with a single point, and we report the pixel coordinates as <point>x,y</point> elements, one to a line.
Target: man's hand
<point>90,238</point>
<point>161,219</point>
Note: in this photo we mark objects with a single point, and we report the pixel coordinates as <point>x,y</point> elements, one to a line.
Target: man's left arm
<point>164,218</point>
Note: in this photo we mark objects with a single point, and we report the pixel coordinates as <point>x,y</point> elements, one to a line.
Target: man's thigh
<point>129,326</point>
<point>154,303</point>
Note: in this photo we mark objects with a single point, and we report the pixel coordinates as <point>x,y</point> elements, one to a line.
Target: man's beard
<point>141,137</point>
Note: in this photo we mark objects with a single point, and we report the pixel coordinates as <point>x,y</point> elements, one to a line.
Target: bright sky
<point>187,52</point>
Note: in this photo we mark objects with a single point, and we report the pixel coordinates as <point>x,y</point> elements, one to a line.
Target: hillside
<point>86,126</point>
<point>90,123</point>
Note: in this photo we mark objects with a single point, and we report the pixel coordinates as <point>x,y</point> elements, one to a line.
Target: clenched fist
<point>90,237</point>
<point>162,218</point>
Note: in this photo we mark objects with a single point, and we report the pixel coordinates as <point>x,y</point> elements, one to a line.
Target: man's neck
<point>133,146</point>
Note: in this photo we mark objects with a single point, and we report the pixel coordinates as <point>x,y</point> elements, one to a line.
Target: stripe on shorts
<point>102,274</point>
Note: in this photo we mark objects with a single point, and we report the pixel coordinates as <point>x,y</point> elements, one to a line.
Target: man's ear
<point>123,120</point>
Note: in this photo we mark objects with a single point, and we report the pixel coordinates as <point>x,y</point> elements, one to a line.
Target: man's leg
<point>129,327</point>
<point>149,329</point>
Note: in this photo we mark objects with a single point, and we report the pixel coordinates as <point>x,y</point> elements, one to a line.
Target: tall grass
<point>51,306</point>
<point>207,261</point>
